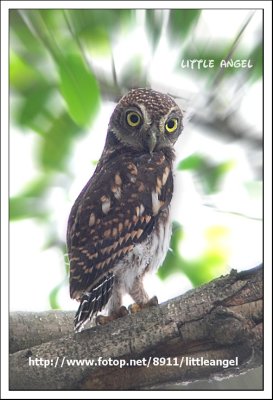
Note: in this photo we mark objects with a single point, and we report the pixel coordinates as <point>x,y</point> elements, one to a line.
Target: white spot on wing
<point>118,180</point>
<point>106,206</point>
<point>155,203</point>
<point>132,178</point>
<point>92,219</point>
<point>117,193</point>
<point>165,175</point>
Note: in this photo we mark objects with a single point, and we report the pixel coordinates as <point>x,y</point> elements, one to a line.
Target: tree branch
<point>28,329</point>
<point>218,321</point>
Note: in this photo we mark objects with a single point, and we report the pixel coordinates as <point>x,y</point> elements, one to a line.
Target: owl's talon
<point>103,319</point>
<point>122,312</point>
<point>152,302</point>
<point>134,308</point>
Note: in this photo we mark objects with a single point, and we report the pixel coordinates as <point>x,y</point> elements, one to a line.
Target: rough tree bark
<point>221,320</point>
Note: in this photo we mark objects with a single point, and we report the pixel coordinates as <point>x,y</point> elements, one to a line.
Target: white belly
<point>146,256</point>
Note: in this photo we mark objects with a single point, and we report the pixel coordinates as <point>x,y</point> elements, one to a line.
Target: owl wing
<point>116,210</point>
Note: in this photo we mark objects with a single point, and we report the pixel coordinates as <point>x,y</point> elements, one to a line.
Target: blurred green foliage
<point>181,22</point>
<point>79,89</point>
<point>203,267</point>
<point>208,173</point>
<point>58,93</point>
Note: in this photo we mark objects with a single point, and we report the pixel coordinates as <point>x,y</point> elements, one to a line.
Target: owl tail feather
<point>93,301</point>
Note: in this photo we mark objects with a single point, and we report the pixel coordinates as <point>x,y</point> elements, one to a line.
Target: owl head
<point>146,120</point>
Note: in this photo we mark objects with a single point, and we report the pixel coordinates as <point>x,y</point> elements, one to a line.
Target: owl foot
<point>136,307</point>
<point>104,319</point>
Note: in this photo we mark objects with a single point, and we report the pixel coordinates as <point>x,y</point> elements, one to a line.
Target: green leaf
<point>30,202</point>
<point>53,297</point>
<point>89,22</point>
<point>97,29</point>
<point>53,20</point>
<point>204,269</point>
<point>21,207</point>
<point>24,35</point>
<point>37,187</point>
<point>173,260</point>
<point>181,22</point>
<point>34,103</point>
<point>213,260</point>
<point>56,143</point>
<point>194,161</point>
<point>79,88</point>
<point>214,175</point>
<point>210,264</point>
<point>133,74</point>
<point>209,174</point>
<point>153,22</point>
<point>22,75</point>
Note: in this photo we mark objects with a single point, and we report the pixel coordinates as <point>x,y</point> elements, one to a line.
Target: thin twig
<point>219,75</point>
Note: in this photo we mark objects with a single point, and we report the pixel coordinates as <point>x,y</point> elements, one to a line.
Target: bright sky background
<point>34,271</point>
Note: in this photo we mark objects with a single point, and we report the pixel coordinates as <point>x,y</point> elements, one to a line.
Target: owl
<point>119,227</point>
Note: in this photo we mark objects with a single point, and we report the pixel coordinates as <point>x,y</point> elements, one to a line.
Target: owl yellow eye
<point>133,118</point>
<point>171,125</point>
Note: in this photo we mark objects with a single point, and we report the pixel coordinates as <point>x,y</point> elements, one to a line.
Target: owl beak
<point>151,141</point>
